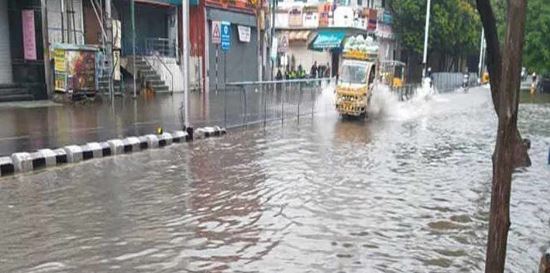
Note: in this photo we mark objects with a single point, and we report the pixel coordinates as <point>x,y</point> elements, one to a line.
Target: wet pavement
<point>407,190</point>
<point>28,126</point>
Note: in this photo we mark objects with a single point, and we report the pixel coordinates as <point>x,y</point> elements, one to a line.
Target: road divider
<point>45,158</point>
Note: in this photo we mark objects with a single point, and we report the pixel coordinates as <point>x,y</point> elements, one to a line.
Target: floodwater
<point>407,190</point>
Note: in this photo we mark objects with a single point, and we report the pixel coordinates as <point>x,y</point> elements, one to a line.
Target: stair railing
<point>167,69</point>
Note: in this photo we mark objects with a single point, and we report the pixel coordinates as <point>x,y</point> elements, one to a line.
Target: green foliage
<point>454,26</point>
<point>536,51</point>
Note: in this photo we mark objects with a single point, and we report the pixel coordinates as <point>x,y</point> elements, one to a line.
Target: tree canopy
<point>454,26</point>
<point>536,53</point>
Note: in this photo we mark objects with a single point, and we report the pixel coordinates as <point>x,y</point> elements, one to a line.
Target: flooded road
<point>407,190</point>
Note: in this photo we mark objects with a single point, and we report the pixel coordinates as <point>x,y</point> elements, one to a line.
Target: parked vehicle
<point>543,84</point>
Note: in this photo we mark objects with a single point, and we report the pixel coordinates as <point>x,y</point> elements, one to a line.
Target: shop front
<point>21,51</point>
<point>239,62</point>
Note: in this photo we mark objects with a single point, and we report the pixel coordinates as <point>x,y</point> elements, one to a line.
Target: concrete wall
<point>5,53</point>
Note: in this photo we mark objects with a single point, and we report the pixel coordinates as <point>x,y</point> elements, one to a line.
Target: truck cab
<point>355,81</point>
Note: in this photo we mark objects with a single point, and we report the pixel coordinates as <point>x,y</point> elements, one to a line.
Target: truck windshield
<point>353,74</point>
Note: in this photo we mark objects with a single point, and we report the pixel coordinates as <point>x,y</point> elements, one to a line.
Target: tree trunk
<point>510,152</point>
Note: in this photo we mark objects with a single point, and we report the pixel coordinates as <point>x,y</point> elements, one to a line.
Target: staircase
<point>14,92</point>
<point>152,78</point>
<point>103,78</point>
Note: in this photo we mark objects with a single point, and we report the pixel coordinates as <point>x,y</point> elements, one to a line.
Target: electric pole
<point>185,57</point>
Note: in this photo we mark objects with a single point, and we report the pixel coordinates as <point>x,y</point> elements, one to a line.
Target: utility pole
<point>426,34</point>
<point>62,8</point>
<point>133,12</point>
<point>185,56</point>
<point>259,38</point>
<point>46,48</point>
<point>109,44</point>
<point>273,7</point>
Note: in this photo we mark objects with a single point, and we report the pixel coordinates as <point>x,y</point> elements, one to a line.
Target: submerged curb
<point>45,158</point>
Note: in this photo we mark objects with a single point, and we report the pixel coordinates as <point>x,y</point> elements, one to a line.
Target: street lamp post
<point>426,34</point>
<point>132,10</point>
<point>481,53</point>
<point>185,57</point>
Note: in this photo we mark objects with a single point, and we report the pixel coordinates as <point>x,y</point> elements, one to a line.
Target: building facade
<point>313,31</point>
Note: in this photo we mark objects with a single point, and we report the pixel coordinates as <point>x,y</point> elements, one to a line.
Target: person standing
<point>313,71</point>
<point>534,83</point>
<point>279,75</point>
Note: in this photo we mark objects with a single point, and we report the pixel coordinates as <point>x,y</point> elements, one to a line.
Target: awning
<point>328,40</point>
<point>296,35</point>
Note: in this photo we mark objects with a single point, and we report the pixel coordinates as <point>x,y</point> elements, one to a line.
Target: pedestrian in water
<point>321,71</point>
<point>430,76</point>
<point>313,71</point>
<point>534,83</point>
<point>327,71</point>
<point>279,75</point>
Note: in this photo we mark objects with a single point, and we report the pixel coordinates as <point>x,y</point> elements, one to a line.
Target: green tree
<point>536,53</point>
<point>454,26</point>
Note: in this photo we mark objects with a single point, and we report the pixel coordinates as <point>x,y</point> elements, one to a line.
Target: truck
<point>356,76</point>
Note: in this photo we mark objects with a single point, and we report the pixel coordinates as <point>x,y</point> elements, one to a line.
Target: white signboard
<point>216,33</point>
<point>244,34</point>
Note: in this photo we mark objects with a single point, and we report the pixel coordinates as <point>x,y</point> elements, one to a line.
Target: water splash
<point>325,103</point>
<point>385,104</point>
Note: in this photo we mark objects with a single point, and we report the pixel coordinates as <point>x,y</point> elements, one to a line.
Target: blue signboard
<point>226,36</point>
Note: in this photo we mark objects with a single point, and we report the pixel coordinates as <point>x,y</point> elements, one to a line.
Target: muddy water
<point>405,191</point>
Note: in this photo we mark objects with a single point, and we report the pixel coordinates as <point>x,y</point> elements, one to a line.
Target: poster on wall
<point>29,34</point>
<point>117,34</point>
<point>295,18</point>
<point>324,15</point>
<point>372,19</point>
<point>244,33</point>
<point>60,70</point>
<point>311,19</point>
<point>81,70</point>
<point>116,60</point>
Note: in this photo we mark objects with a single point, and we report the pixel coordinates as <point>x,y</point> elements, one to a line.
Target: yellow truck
<point>356,78</point>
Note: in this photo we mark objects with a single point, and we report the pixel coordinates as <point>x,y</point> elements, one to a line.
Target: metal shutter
<point>5,56</point>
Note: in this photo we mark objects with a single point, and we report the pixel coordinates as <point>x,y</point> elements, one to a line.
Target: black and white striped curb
<point>44,158</point>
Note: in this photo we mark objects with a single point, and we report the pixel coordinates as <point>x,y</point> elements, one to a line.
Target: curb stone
<point>46,158</point>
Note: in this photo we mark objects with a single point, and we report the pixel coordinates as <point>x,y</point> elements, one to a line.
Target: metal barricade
<point>248,103</point>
